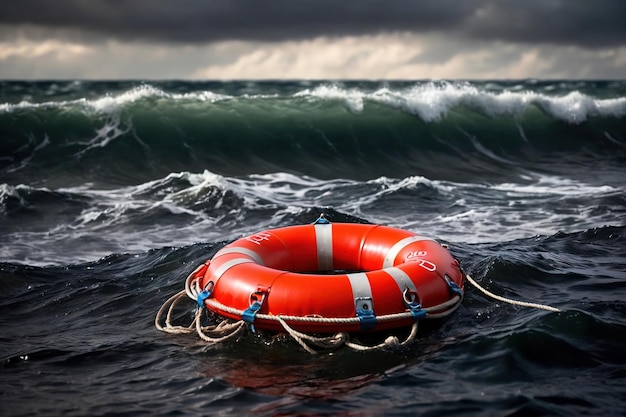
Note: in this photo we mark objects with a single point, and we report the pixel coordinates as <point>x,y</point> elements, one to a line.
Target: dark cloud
<point>586,23</point>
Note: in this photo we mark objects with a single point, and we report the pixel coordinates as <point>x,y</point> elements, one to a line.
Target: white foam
<point>430,101</point>
<point>9,191</point>
<point>433,101</point>
<point>543,206</point>
<point>24,161</point>
<point>352,98</point>
<point>111,103</point>
<point>547,185</point>
<point>472,212</point>
<point>112,129</point>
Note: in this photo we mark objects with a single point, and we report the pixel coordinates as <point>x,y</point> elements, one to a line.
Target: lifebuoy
<point>330,277</point>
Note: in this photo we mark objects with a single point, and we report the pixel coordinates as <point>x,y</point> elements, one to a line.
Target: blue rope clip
<point>365,313</point>
<point>454,287</point>
<point>416,311</point>
<point>367,319</point>
<point>250,313</point>
<point>321,220</point>
<point>206,293</point>
<point>411,300</point>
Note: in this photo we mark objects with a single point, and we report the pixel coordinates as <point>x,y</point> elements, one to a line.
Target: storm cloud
<point>312,39</point>
<point>583,23</point>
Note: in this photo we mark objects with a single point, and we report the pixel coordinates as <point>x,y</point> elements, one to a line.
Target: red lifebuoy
<point>329,270</point>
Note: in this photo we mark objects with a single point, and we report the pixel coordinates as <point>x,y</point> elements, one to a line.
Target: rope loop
<point>170,305</point>
<point>412,302</point>
<point>220,332</point>
<point>256,302</point>
<point>205,293</point>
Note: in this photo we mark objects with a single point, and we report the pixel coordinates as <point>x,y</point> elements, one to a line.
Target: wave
<point>431,101</point>
<point>126,288</point>
<point>89,221</point>
<point>326,130</point>
<point>96,319</point>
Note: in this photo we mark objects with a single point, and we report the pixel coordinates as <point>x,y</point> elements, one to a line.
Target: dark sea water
<point>111,193</point>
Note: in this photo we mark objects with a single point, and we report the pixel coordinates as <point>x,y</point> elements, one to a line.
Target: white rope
<point>451,305</point>
<point>390,341</point>
<point>192,292</point>
<point>454,303</point>
<point>227,329</point>
<point>169,328</point>
<point>340,338</point>
<point>508,300</point>
<point>218,333</point>
<point>329,342</point>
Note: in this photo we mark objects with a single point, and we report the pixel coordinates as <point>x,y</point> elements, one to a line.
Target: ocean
<point>112,192</point>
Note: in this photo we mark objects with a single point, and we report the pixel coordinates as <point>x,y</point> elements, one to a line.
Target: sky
<point>312,39</point>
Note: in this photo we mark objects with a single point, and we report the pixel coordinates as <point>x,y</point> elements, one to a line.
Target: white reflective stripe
<point>361,290</point>
<point>324,239</point>
<point>398,246</point>
<point>243,251</point>
<point>402,279</point>
<point>220,270</point>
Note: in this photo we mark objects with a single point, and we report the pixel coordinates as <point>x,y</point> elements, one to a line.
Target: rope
<point>390,342</point>
<point>227,329</point>
<point>213,334</point>
<point>340,338</point>
<point>451,305</point>
<point>508,300</point>
<point>219,333</point>
<point>169,328</point>
<point>329,342</point>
